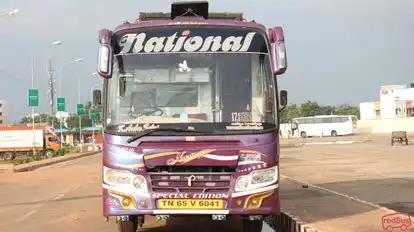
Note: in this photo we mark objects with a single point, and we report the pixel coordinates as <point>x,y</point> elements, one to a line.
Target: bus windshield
<point>214,92</point>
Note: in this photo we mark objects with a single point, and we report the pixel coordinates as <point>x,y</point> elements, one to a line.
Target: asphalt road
<point>67,197</point>
<point>373,172</point>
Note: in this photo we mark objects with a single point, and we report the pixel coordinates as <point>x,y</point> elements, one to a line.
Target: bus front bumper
<point>262,201</point>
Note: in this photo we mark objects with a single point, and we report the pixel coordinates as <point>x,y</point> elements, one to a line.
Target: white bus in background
<point>325,125</point>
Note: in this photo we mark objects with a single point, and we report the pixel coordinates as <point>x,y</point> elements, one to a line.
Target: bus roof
<point>326,116</point>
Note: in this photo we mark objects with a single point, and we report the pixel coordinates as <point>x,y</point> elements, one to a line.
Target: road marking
<point>28,215</point>
<point>330,142</point>
<point>62,194</point>
<point>59,196</point>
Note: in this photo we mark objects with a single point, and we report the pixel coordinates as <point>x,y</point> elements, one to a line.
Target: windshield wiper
<point>149,132</point>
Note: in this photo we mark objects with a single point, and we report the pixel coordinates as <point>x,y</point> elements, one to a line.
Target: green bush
<point>36,158</point>
<point>61,152</point>
<point>23,160</point>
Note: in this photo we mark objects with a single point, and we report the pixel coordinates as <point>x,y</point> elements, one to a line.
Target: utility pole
<point>52,91</point>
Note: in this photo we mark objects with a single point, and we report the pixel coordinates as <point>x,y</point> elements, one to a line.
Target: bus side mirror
<point>97,97</point>
<point>279,56</point>
<point>283,99</point>
<point>105,61</point>
<point>105,54</point>
<point>294,126</point>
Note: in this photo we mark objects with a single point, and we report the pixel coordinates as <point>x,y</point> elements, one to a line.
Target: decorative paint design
<point>182,157</point>
<point>184,42</point>
<point>113,202</point>
<point>245,126</point>
<point>189,195</point>
<point>125,157</point>
<point>248,157</point>
<point>128,158</point>
<point>136,127</point>
<point>253,167</point>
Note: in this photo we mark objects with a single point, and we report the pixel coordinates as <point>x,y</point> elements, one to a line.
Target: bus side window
<point>317,120</point>
<point>327,120</point>
<point>308,121</point>
<point>336,119</point>
<point>344,119</point>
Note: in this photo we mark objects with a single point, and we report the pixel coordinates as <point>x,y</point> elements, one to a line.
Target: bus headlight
<point>124,179</point>
<point>257,179</point>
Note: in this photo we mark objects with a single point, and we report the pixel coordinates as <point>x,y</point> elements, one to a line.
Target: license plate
<point>189,204</point>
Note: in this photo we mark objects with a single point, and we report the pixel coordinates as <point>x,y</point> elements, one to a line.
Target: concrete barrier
<point>289,223</point>
<point>42,163</point>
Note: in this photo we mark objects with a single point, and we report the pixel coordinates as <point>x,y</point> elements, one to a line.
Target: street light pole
<point>61,71</point>
<point>33,116</point>
<point>93,122</point>
<point>60,92</point>
<point>80,117</point>
<point>33,85</point>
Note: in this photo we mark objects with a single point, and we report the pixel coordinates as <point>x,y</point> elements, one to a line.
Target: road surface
<point>364,174</point>
<point>67,198</point>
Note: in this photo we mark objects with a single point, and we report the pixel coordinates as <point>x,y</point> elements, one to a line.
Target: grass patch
<point>23,159</point>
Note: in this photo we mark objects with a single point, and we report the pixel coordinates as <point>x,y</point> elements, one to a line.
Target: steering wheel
<point>152,112</point>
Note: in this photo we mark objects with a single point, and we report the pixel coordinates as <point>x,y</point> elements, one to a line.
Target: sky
<point>339,51</point>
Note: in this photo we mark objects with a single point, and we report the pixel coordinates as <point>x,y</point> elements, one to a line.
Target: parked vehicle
<point>20,140</point>
<point>191,109</point>
<point>325,125</point>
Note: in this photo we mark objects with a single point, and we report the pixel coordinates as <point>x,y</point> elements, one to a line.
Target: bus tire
<point>252,226</point>
<point>334,133</point>
<point>128,226</point>
<point>303,134</point>
<point>9,156</point>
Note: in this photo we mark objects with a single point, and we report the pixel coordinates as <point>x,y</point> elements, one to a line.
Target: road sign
<point>60,104</point>
<point>80,111</point>
<point>33,98</point>
<point>99,116</point>
<point>92,114</point>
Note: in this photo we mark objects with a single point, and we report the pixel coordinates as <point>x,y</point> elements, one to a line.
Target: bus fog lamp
<point>126,202</point>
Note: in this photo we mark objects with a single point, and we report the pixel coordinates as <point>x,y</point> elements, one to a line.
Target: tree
<point>291,111</point>
<point>346,109</point>
<point>312,108</point>
<point>41,118</point>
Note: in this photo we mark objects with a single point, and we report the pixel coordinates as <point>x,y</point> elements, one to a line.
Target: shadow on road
<point>196,225</point>
<point>394,193</point>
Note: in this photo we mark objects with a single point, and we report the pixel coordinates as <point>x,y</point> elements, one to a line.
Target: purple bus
<point>191,128</point>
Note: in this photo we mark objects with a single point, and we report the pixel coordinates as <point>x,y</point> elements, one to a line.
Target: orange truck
<point>20,140</point>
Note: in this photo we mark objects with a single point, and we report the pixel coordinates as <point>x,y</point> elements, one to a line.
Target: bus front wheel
<point>334,133</point>
<point>303,134</point>
<point>130,225</point>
